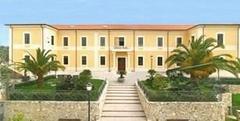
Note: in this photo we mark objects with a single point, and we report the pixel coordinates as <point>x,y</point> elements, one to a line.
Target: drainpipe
<point>134,54</point>
<point>238,41</point>
<point>11,45</point>
<point>109,64</point>
<point>167,45</point>
<point>42,37</point>
<point>76,50</point>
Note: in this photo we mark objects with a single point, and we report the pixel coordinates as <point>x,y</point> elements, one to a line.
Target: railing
<point>120,47</point>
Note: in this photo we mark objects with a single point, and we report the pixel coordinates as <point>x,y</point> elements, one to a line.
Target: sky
<point>116,12</point>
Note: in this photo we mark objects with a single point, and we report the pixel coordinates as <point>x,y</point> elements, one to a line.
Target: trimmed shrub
<point>160,82</point>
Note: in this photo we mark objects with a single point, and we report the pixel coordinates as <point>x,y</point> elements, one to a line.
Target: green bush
<point>17,117</point>
<point>86,73</point>
<point>65,83</point>
<point>84,77</point>
<point>160,82</point>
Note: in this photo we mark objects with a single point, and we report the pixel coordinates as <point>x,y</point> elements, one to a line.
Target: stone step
<point>121,98</point>
<point>122,102</point>
<point>122,107</point>
<point>122,95</point>
<point>123,119</point>
<point>123,114</point>
<point>122,87</point>
<point>122,92</point>
<point>119,89</point>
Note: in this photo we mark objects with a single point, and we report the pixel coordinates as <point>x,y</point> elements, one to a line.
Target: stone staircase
<point>122,104</point>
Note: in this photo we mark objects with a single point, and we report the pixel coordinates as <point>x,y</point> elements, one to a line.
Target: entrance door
<point>121,64</point>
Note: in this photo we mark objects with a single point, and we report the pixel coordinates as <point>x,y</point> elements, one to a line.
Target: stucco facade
<point>119,47</point>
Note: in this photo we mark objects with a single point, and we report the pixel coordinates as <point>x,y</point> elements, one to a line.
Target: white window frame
<point>63,60</point>
<point>176,43</point>
<point>223,33</point>
<point>138,40</point>
<point>162,41</point>
<point>138,60</point>
<point>63,41</point>
<point>81,41</point>
<point>30,38</point>
<point>100,41</point>
<point>100,61</point>
<point>86,61</point>
<point>157,61</point>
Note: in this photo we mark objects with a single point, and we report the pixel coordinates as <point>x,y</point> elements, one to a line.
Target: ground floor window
<point>159,61</point>
<point>140,61</point>
<point>84,60</point>
<point>65,60</point>
<point>102,60</point>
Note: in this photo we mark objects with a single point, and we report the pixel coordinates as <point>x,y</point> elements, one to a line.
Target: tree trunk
<point>40,81</point>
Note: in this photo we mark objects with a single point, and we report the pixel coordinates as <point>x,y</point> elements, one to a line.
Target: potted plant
<point>121,73</point>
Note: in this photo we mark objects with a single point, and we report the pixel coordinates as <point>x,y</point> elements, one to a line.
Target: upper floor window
<point>121,41</point>
<point>102,41</point>
<point>192,38</point>
<point>159,61</point>
<point>140,61</point>
<point>84,60</point>
<point>160,41</point>
<point>102,60</point>
<point>84,41</point>
<point>179,41</point>
<point>65,60</point>
<point>26,38</point>
<point>220,39</point>
<point>52,40</point>
<point>26,57</point>
<point>140,41</point>
<point>65,41</point>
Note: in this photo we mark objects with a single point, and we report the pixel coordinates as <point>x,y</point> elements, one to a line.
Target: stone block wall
<point>191,111</point>
<point>55,110</point>
<point>51,110</point>
<point>234,88</point>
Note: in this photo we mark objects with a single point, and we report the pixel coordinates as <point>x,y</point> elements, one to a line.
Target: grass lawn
<point>236,100</point>
<point>30,91</point>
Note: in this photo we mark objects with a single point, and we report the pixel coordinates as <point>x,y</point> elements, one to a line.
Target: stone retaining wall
<point>54,110</point>
<point>191,111</point>
<point>234,88</point>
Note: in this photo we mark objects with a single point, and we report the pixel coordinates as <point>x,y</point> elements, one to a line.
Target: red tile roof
<point>123,27</point>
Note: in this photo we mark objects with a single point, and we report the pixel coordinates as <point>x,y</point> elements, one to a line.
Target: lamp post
<point>151,62</point>
<point>89,89</point>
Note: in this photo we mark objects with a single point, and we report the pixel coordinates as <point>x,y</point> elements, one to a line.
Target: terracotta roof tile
<point>124,27</point>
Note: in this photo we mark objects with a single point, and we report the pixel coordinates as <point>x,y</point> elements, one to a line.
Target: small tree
<point>84,77</point>
<point>40,65</point>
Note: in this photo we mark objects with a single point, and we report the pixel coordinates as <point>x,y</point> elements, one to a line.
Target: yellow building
<point>108,47</point>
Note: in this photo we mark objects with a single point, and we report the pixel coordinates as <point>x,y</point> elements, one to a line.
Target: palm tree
<point>198,59</point>
<point>40,65</point>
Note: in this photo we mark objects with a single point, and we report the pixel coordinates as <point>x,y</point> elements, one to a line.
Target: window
<point>84,41</point>
<point>160,41</point>
<point>102,60</point>
<point>65,41</point>
<point>52,58</point>
<point>52,40</point>
<point>121,41</point>
<point>102,41</point>
<point>140,61</point>
<point>84,60</point>
<point>159,61</point>
<point>26,57</point>
<point>65,60</point>
<point>179,41</point>
<point>192,38</point>
<point>140,41</point>
<point>220,39</point>
<point>26,38</point>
